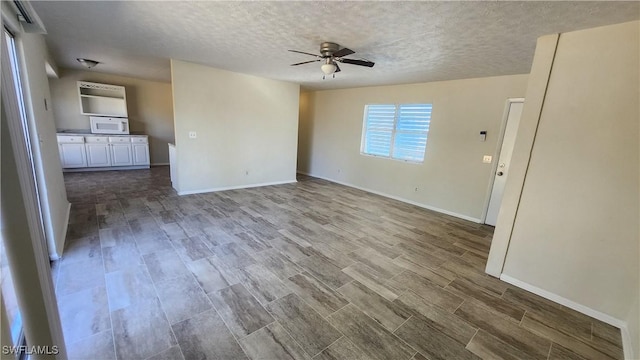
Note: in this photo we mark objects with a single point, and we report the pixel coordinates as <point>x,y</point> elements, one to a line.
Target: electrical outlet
<point>192,135</point>
<point>487,159</point>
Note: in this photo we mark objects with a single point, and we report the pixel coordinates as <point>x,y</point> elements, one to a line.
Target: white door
<point>504,160</point>
<point>121,155</point>
<point>140,154</point>
<point>73,155</point>
<point>98,155</point>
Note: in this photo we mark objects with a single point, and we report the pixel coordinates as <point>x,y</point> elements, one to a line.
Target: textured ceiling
<point>409,41</point>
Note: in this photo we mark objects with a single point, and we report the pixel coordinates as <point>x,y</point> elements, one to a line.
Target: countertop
<point>83,132</point>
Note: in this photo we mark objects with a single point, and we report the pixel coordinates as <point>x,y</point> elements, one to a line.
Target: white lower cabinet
<point>72,152</point>
<point>121,155</point>
<point>98,155</point>
<point>106,152</point>
<point>121,151</point>
<point>72,155</point>
<point>140,154</point>
<point>98,151</point>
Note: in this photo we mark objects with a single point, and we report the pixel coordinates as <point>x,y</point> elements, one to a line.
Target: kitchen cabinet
<point>72,151</point>
<point>121,154</point>
<point>73,155</point>
<point>102,99</point>
<point>94,152</point>
<point>98,151</point>
<point>140,149</point>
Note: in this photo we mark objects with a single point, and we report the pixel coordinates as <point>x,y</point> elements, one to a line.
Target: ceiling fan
<point>331,55</point>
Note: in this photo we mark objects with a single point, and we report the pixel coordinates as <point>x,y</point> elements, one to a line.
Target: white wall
<point>53,195</point>
<point>149,105</point>
<point>452,178</point>
<point>536,90</point>
<point>576,229</point>
<point>246,128</point>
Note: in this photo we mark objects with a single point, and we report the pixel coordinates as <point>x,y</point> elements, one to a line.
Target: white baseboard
<point>424,206</point>
<point>160,164</point>
<point>224,188</point>
<point>564,301</point>
<point>622,325</point>
<point>63,235</point>
<point>627,348</point>
<point>106,168</point>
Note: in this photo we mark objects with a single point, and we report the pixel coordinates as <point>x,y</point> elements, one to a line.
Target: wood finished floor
<point>307,270</point>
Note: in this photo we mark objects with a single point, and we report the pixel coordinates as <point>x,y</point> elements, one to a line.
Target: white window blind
<point>396,131</point>
<point>379,123</point>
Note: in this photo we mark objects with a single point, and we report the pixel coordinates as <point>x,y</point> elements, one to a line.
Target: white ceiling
<point>409,41</point>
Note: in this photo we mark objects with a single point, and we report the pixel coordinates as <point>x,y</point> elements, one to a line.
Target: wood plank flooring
<point>312,270</point>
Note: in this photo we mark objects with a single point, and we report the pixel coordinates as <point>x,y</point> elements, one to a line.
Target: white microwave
<point>109,125</point>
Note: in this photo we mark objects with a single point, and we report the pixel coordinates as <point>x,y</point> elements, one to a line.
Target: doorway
<point>511,121</point>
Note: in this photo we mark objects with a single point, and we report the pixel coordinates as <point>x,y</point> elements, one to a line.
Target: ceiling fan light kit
<point>331,54</point>
<point>328,69</point>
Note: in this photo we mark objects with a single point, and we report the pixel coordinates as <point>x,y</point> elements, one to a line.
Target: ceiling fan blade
<point>337,67</point>
<point>357,62</point>
<point>305,62</point>
<point>343,52</point>
<point>306,53</point>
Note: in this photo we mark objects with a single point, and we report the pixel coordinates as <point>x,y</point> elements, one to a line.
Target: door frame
<point>496,155</point>
<point>36,306</point>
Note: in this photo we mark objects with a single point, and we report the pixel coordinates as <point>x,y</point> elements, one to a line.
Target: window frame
<point>363,139</point>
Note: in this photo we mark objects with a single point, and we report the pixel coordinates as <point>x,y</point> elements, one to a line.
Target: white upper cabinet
<point>102,99</point>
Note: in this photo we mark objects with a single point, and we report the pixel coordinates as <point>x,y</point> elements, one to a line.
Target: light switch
<point>487,159</point>
<point>192,134</point>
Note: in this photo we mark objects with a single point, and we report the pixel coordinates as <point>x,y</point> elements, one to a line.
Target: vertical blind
<point>396,131</point>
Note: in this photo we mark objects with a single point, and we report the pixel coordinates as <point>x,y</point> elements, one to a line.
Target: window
<point>396,131</point>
